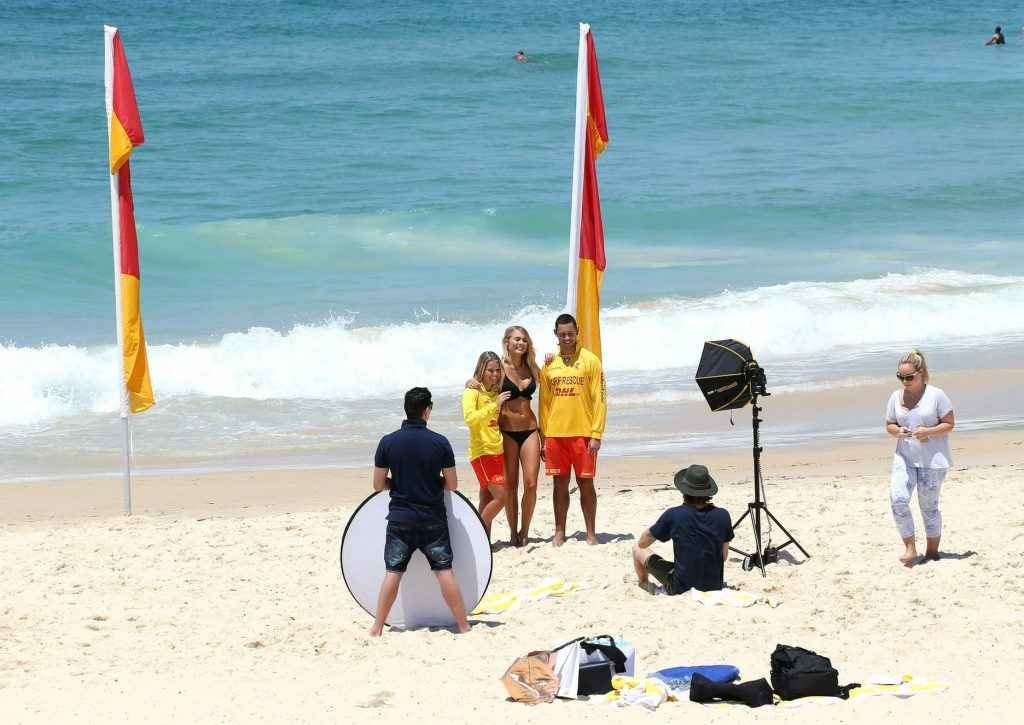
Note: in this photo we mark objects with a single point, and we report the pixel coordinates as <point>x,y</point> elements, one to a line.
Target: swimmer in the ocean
<point>521,57</point>
<point>996,39</point>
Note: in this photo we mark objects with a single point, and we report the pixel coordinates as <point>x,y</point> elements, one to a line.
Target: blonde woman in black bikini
<point>519,429</point>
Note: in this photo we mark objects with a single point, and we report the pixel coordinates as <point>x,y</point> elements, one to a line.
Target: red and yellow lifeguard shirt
<point>573,399</point>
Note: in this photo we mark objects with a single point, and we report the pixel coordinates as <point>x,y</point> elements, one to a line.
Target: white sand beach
<point>221,599</point>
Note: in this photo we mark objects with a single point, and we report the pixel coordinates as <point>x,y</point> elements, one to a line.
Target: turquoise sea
<point>337,201</point>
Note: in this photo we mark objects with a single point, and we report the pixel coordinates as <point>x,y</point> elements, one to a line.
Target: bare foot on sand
<point>376,632</point>
<point>592,539</point>
<point>648,586</point>
<point>524,538</point>
<point>461,629</point>
<point>513,540</point>
<point>909,557</point>
<point>559,538</point>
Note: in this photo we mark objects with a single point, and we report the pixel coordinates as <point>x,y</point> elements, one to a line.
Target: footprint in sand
<point>378,699</point>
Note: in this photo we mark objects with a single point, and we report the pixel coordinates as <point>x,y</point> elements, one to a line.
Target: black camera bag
<point>799,672</point>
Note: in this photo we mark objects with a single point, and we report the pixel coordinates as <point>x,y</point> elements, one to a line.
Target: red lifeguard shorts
<point>563,454</point>
<point>490,470</point>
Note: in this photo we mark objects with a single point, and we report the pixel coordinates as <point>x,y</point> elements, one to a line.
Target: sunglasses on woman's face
<point>906,378</point>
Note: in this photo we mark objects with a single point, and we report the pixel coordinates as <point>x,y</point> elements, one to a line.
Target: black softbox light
<point>723,374</point>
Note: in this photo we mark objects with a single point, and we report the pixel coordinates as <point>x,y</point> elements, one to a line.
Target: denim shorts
<point>402,541</point>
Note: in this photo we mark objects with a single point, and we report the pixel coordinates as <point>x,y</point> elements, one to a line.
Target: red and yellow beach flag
<point>125,133</point>
<point>586,230</point>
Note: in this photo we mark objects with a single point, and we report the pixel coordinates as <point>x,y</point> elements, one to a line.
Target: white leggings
<point>928,482</point>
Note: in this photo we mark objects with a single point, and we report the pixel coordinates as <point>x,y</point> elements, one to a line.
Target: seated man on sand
<point>700,534</point>
<point>422,466</point>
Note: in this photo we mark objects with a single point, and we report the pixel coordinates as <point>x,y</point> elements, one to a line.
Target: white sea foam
<point>334,360</point>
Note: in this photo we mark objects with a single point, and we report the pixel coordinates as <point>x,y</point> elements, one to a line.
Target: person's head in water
<point>418,404</point>
<point>521,56</point>
<point>997,37</point>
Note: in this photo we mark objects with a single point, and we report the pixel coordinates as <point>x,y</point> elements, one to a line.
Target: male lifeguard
<point>573,404</point>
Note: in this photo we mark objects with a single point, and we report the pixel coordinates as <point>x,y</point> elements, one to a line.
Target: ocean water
<point>337,201</point>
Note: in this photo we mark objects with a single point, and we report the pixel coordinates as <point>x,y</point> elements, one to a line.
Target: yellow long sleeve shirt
<point>480,411</point>
<point>573,399</point>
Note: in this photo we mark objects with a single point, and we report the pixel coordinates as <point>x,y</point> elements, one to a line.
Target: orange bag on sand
<point>531,679</point>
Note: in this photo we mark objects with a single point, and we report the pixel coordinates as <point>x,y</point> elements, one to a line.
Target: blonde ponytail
<point>915,358</point>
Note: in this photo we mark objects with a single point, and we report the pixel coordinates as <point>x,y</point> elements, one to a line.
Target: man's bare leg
<point>588,502</point>
<point>453,598</point>
<point>385,600</point>
<point>560,501</point>
<point>640,557</point>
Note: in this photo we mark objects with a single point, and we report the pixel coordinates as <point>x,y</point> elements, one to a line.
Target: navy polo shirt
<point>697,537</point>
<point>415,455</point>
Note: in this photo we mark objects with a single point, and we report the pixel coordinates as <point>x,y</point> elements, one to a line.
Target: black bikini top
<point>516,392</point>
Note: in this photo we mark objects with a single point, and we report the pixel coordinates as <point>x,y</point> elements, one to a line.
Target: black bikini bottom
<point>519,436</point>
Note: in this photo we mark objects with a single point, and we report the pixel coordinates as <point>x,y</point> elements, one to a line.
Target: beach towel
<point>629,691</point>
<point>902,687</point>
<point>502,602</point>
<point>905,686</point>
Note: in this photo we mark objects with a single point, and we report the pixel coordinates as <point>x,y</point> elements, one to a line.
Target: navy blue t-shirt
<point>697,537</point>
<point>415,455</point>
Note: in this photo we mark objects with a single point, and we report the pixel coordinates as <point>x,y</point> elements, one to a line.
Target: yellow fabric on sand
<point>649,693</point>
<point>501,602</point>
<point>551,587</point>
<point>909,687</point>
<point>496,603</point>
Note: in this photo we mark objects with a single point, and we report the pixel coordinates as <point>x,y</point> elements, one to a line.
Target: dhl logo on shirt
<point>567,385</point>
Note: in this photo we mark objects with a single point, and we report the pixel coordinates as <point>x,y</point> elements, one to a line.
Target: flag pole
<point>115,225</point>
<point>582,107</point>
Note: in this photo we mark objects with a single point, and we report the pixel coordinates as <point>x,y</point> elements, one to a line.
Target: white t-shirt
<point>934,452</point>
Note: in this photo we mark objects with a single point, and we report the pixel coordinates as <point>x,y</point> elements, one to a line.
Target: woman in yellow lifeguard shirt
<point>480,409</point>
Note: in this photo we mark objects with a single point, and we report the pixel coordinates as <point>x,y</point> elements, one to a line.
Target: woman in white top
<point>920,417</point>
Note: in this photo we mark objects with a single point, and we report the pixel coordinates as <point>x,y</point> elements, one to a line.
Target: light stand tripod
<point>759,557</point>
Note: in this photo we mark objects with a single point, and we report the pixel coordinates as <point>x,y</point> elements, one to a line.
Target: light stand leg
<point>755,521</point>
<point>755,507</point>
<point>790,540</point>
